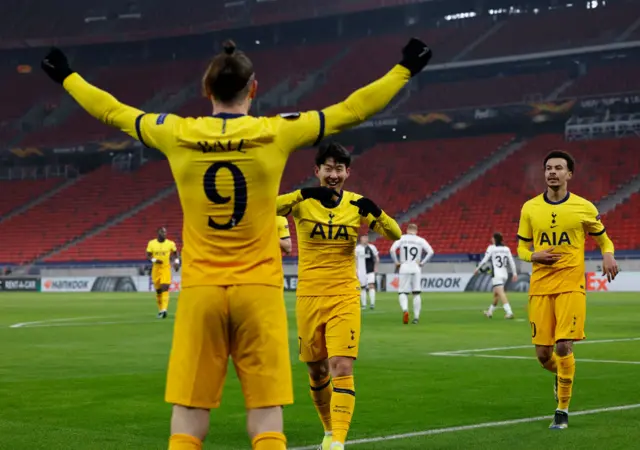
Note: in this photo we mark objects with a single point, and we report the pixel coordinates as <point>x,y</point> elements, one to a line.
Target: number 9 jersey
<point>227,170</point>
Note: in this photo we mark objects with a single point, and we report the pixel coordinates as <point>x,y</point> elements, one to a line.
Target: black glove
<point>415,56</point>
<point>321,193</point>
<point>55,64</point>
<point>366,207</point>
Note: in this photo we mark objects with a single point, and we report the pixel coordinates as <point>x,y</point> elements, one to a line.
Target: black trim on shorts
<point>599,233</point>
<point>496,285</point>
<point>524,238</point>
<point>139,130</point>
<point>321,131</point>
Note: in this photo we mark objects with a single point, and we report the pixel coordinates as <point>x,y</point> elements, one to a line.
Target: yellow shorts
<point>160,277</point>
<point>556,317</point>
<point>328,326</point>
<point>246,322</point>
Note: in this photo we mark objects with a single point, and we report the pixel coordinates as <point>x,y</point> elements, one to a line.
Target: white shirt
<point>500,257</point>
<point>411,249</point>
<point>361,257</point>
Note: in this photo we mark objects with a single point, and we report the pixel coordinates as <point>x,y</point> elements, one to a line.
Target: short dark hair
<point>498,238</point>
<point>333,150</point>
<point>229,75</point>
<point>562,155</point>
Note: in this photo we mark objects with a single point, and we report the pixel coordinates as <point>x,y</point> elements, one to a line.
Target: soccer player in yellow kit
<point>227,168</point>
<point>328,309</point>
<point>284,235</point>
<point>162,252</point>
<point>556,223</point>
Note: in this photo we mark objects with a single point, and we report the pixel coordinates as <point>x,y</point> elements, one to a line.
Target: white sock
<point>372,296</point>
<point>363,297</point>
<point>507,309</point>
<point>417,305</point>
<point>404,302</point>
<point>491,308</point>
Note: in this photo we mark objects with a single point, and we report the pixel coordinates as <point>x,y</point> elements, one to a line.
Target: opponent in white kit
<point>500,257</point>
<point>367,260</point>
<point>411,248</point>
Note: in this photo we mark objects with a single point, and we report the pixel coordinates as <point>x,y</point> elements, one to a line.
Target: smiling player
<point>556,223</point>
<point>328,299</point>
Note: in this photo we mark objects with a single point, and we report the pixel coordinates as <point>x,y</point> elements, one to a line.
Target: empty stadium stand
<point>623,224</point>
<point>18,192</point>
<point>484,92</point>
<point>548,30</point>
<point>465,221</point>
<point>88,203</point>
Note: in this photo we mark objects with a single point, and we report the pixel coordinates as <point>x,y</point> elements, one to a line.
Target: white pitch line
<point>609,361</point>
<point>48,321</point>
<point>474,426</point>
<point>515,347</point>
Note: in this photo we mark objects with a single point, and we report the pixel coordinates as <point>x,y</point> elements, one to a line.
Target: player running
<point>367,260</point>
<point>411,248</point>
<point>161,252</point>
<point>556,222</point>
<point>328,308</point>
<point>284,235</point>
<point>500,257</point>
<point>227,169</point>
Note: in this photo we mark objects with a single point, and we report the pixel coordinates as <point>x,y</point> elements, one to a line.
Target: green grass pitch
<point>87,371</point>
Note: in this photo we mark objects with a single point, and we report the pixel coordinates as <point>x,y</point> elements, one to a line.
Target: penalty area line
<point>476,426</point>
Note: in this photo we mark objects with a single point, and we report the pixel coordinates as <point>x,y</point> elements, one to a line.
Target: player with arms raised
<point>556,223</point>
<point>161,252</point>
<point>328,305</point>
<point>411,248</point>
<point>500,257</point>
<point>284,235</point>
<point>227,169</point>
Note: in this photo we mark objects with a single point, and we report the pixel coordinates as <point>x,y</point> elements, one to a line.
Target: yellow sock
<point>159,301</point>
<point>321,396</point>
<point>184,442</point>
<point>343,402</point>
<point>552,364</point>
<point>164,299</point>
<point>566,374</point>
<point>269,441</point>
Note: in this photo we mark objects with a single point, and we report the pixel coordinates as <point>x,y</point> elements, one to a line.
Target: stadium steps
<point>559,90</point>
<point>159,196</point>
<point>464,180</point>
<point>629,31</point>
<point>314,80</point>
<point>471,47</point>
<point>175,102</point>
<point>610,202</point>
<point>36,201</point>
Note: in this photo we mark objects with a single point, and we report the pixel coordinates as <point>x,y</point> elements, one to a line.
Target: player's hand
<point>415,56</point>
<point>366,207</point>
<point>397,267</point>
<point>320,193</point>
<point>546,257</point>
<point>609,266</point>
<point>55,65</point>
<point>514,278</point>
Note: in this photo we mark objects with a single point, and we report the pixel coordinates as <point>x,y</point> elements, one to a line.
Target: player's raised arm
<point>310,128</point>
<point>381,223</point>
<point>150,129</point>
<point>428,250</point>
